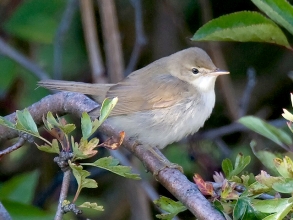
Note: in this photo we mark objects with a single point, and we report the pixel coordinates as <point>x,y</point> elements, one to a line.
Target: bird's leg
<point>161,158</point>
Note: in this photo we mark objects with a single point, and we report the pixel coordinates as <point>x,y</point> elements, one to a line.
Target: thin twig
<point>60,37</point>
<point>112,42</point>
<point>145,186</point>
<point>63,194</point>
<point>14,147</point>
<point>92,41</point>
<point>22,60</point>
<point>251,81</point>
<point>140,39</point>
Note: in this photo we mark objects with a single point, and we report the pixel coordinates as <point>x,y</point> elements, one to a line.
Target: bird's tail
<point>84,88</point>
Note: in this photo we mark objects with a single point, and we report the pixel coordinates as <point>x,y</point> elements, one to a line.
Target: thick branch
<point>172,179</point>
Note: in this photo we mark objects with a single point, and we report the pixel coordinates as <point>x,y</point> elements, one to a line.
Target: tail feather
<point>99,91</point>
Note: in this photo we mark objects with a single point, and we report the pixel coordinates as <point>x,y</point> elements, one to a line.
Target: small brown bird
<point>160,103</point>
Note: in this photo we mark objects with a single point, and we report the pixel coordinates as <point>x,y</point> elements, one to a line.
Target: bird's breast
<point>160,127</point>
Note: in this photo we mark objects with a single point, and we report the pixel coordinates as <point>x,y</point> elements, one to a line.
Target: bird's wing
<point>137,94</point>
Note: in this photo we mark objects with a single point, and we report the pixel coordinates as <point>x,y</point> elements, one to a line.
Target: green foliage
<point>64,142</point>
<point>240,163</point>
<point>279,11</point>
<point>111,164</point>
<point>246,203</point>
<point>276,135</point>
<point>90,205</point>
<point>247,26</point>
<point>241,26</point>
<point>81,178</point>
<point>170,206</point>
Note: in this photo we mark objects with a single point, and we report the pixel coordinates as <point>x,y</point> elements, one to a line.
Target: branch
<point>63,194</point>
<point>111,36</point>
<point>22,60</point>
<point>173,180</point>
<point>251,81</point>
<point>92,42</point>
<point>60,37</point>
<point>140,39</point>
<point>14,147</point>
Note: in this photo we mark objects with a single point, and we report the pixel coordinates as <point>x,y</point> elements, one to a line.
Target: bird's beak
<point>220,72</point>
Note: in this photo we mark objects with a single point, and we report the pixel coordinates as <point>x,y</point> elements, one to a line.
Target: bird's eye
<point>195,71</point>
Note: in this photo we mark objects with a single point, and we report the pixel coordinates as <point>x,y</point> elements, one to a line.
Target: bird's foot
<point>164,163</point>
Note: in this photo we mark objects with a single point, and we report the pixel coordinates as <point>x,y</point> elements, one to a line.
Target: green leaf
<point>280,11</point>
<point>170,206</point>
<point>50,149</point>
<point>111,164</point>
<point>26,121</point>
<point>281,207</point>
<point>240,163</point>
<point>81,177</point>
<point>227,167</point>
<point>107,106</point>
<point>284,167</point>
<point>85,149</point>
<point>285,186</point>
<point>86,125</point>
<point>90,205</point>
<point>265,157</point>
<point>6,123</point>
<point>51,120</point>
<point>242,26</point>
<point>243,210</point>
<point>14,188</point>
<point>105,111</point>
<point>275,134</point>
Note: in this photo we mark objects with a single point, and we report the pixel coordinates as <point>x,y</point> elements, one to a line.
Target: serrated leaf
<point>81,178</point>
<point>280,11</point>
<point>27,122</point>
<point>86,125</point>
<point>85,149</point>
<point>111,164</point>
<point>90,205</point>
<point>242,26</point>
<point>261,127</point>
<point>50,149</point>
<point>170,206</point>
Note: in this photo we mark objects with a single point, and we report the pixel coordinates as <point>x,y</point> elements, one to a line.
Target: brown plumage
<point>160,103</point>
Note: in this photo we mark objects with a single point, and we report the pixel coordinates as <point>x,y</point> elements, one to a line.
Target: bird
<point>160,103</point>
